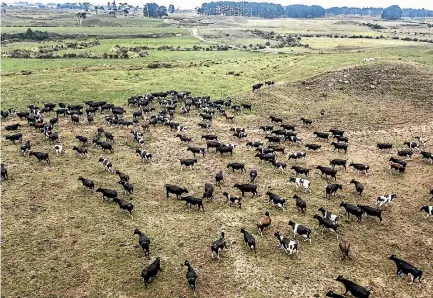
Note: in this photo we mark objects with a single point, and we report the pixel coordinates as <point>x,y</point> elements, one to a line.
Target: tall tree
<point>171,8</point>
<point>392,13</point>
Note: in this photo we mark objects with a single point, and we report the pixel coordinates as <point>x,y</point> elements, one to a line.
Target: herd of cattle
<point>276,133</point>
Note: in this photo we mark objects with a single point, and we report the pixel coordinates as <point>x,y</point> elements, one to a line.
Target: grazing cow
<point>246,106</point>
<point>397,167</point>
<point>327,223</point>
<point>294,139</point>
<point>313,147</point>
<point>342,139</point>
<point>196,150</point>
<point>108,166</point>
<point>352,209</point>
<point>360,167</point>
<point>143,241</point>
<point>306,121</point>
<point>300,170</point>
<point>125,205</point>
<point>331,190</point>
<point>266,157</point>
<point>209,137</point>
<point>399,161</point>
<point>208,191</point>
<point>145,156</point>
<point>288,127</point>
<point>187,163</point>
<point>191,277</point>
<point>25,148</point>
<point>87,183</point>
<point>12,127</point>
<point>264,223</point>
<point>105,146</point>
<point>267,128</point>
<point>276,148</point>
<point>59,149</point>
<point>40,156</point>
<point>219,177</point>
<point>205,125</point>
<point>336,132</point>
<point>254,144</point>
<point>297,155</point>
<point>233,200</point>
<point>423,141</point>
<point>213,144</point>
<point>321,135</point>
<point>81,151</point>
<point>328,215</point>
<point>4,172</point>
<point>355,289</point>
<point>107,193</point>
<point>405,153</point>
<point>184,138</point>
<point>236,166</point>
<point>253,175</point>
<point>174,189</point>
<point>249,240</point>
<point>300,230</point>
<point>82,139</point>
<point>371,211</point>
<point>225,149</point>
<point>289,246</point>
<point>405,268</point>
<point>218,246</point>
<point>358,186</point>
<point>278,165</point>
<point>327,172</point>
<point>151,271</point>
<point>301,205</point>
<point>385,199</point>
<point>247,188</point>
<point>427,156</point>
<point>427,209</point>
<point>276,200</point>
<point>273,139</point>
<point>15,137</point>
<point>301,182</point>
<point>75,119</point>
<point>340,146</point>
<point>276,119</point>
<point>344,246</point>
<point>191,200</point>
<point>383,146</point>
<point>338,162</point>
<point>257,86</point>
<point>412,145</point>
<point>127,187</point>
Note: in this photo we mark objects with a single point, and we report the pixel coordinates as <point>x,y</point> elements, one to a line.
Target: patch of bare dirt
<point>404,80</point>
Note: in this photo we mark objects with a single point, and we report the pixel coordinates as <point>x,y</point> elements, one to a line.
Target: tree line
<point>271,10</point>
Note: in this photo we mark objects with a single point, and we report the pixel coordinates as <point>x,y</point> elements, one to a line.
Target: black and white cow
<point>385,199</point>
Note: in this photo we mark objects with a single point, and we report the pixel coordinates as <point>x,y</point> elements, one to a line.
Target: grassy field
<point>60,240</point>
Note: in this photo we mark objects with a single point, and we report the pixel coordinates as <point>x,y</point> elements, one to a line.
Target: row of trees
<point>250,9</point>
<point>304,11</point>
<point>153,10</point>
<point>270,10</point>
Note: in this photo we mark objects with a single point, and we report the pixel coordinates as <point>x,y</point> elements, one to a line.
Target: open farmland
<point>61,240</point>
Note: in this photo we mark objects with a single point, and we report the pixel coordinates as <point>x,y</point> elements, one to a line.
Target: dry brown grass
<point>59,239</point>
